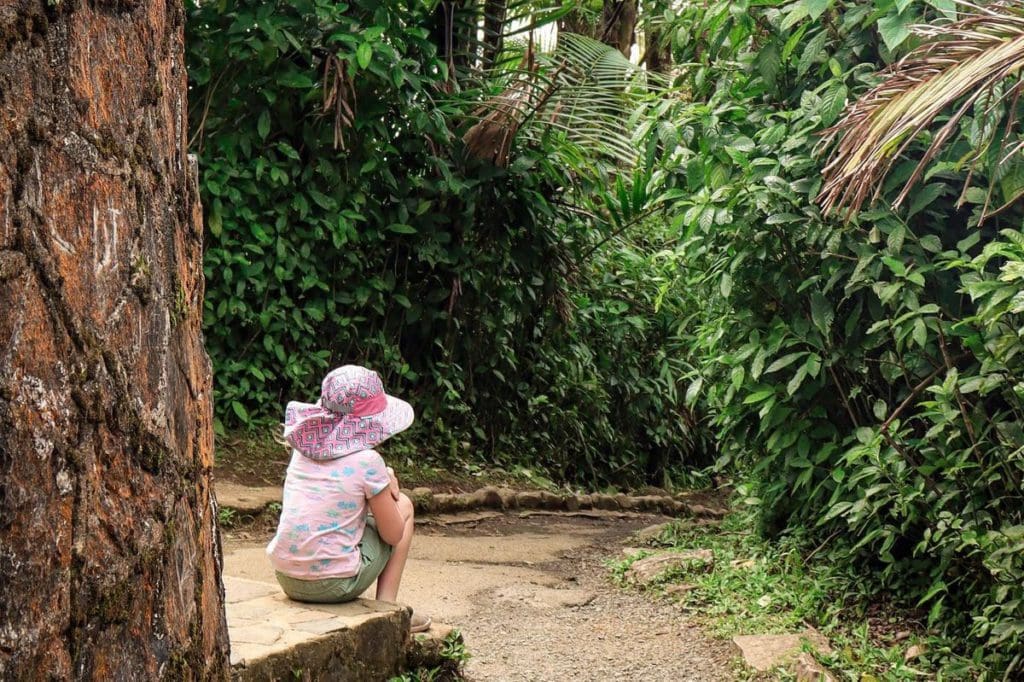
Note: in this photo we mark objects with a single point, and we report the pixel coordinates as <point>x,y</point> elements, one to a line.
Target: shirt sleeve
<point>375,473</point>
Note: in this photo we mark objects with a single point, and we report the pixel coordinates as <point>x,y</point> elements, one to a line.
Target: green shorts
<point>374,555</point>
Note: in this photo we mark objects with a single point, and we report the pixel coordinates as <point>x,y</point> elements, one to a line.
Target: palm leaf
<point>585,89</point>
<point>970,65</point>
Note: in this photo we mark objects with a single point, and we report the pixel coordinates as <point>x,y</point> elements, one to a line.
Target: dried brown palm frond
<point>961,67</point>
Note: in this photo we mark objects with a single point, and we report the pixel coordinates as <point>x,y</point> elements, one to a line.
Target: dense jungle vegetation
<point>592,238</point>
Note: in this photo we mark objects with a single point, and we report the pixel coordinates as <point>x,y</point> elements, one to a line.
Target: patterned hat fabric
<point>353,414</point>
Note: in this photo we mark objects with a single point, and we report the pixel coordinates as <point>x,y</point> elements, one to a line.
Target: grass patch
<point>761,587</point>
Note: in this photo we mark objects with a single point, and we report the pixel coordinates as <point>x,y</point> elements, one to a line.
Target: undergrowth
<point>761,587</point>
<point>453,655</point>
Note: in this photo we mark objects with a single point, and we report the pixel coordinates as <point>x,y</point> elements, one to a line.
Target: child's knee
<point>405,506</point>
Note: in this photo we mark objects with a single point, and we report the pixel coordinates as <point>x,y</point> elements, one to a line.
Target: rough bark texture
<point>658,56</point>
<point>109,555</point>
<point>618,21</point>
<point>614,27</point>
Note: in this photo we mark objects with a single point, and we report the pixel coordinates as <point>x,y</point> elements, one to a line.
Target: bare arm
<point>390,523</point>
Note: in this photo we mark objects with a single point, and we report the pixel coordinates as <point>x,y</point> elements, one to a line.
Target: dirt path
<point>533,600</point>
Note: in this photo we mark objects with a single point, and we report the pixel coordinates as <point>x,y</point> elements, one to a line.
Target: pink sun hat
<point>353,414</point>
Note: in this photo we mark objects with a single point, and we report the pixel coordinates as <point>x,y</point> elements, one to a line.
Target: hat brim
<point>319,433</point>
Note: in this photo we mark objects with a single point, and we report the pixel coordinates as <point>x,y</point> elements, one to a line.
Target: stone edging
<point>426,501</point>
<point>254,500</point>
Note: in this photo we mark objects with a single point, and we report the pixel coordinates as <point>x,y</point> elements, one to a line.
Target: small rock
<point>633,551</point>
<point>571,503</point>
<point>528,499</point>
<point>585,501</point>
<point>508,498</point>
<point>487,498</point>
<point>914,652</point>
<point>425,650</point>
<point>809,670</point>
<point>422,499</point>
<point>647,570</point>
<point>673,507</point>
<point>743,563</point>
<point>625,502</point>
<point>551,501</point>
<point>465,501</point>
<point>764,652</point>
<point>701,510</point>
<point>901,635</point>
<point>606,502</point>
<point>445,503</point>
<point>652,533</point>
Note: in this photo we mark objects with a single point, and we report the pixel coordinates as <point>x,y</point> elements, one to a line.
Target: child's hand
<point>393,484</point>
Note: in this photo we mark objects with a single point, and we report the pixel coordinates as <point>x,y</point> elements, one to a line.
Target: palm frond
<point>585,89</point>
<point>970,65</point>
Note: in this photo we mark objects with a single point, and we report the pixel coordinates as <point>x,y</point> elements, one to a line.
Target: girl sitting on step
<point>328,548</point>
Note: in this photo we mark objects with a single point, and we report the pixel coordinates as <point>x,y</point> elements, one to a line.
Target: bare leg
<point>391,577</point>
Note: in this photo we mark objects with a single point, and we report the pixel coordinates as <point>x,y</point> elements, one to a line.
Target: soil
<point>533,598</point>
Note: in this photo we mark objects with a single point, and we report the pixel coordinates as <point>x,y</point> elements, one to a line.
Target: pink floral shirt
<point>323,514</point>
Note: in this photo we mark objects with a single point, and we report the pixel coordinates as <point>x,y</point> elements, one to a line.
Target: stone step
<point>274,638</point>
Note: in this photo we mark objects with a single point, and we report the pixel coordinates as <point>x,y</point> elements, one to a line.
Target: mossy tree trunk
<point>109,556</point>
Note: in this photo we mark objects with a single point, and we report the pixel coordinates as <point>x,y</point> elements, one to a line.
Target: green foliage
<point>865,377</point>
<point>366,234</point>
<point>756,587</point>
<point>453,655</point>
<point>598,321</point>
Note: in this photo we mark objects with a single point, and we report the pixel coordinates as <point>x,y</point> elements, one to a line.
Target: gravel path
<point>533,599</point>
<point>572,623</point>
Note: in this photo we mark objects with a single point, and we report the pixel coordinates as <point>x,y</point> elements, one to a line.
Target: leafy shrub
<point>863,377</point>
<point>368,235</point>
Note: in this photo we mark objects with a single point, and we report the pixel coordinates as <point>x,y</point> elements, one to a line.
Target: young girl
<point>327,548</point>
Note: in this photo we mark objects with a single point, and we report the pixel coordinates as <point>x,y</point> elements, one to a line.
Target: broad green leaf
<point>812,51</point>
<point>215,224</point>
<point>822,312</point>
<point>923,198</point>
<point>725,285</point>
<point>295,79</point>
<point>920,332</point>
<point>240,411</point>
<point>815,8</point>
<point>785,361</point>
<point>797,380</point>
<point>364,54</point>
<point>796,13</point>
<point>759,396</point>
<point>894,29</point>
<point>263,124</point>
<point>693,390</point>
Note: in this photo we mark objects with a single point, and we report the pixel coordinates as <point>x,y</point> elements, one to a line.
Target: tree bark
<point>615,26</point>
<point>109,555</point>
<point>618,23</point>
<point>658,56</point>
<point>494,27</point>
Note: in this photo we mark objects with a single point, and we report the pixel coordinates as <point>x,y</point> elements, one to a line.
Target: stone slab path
<point>531,596</point>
